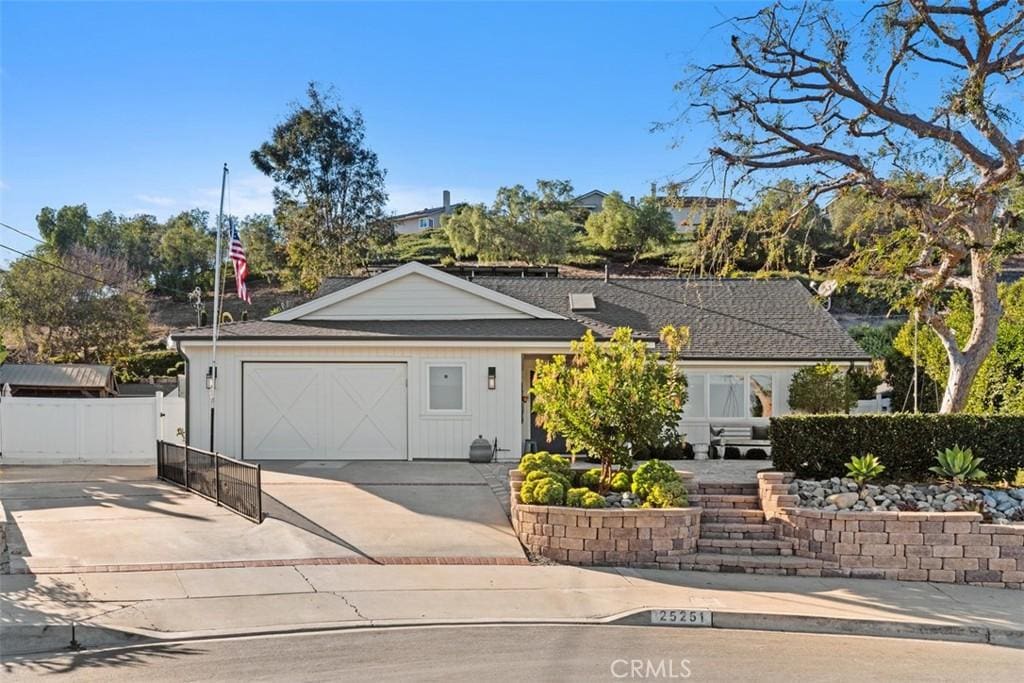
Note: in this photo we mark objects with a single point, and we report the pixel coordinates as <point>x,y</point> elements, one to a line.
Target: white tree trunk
<point>964,364</point>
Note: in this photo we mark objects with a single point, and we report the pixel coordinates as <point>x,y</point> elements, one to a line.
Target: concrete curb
<point>23,640</point>
<point>800,623</point>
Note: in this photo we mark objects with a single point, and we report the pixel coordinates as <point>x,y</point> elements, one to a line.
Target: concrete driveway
<point>72,517</point>
<point>398,509</point>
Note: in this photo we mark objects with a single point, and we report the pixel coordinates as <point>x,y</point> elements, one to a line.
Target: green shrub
<point>671,446</point>
<point>666,494</point>
<point>549,491</point>
<point>650,473</point>
<point>543,491</point>
<point>621,481</point>
<point>545,462</point>
<point>146,364</point>
<point>526,492</point>
<point>818,446</point>
<point>958,464</point>
<point>823,388</point>
<point>864,468</point>
<point>591,478</point>
<point>541,474</point>
<point>574,496</point>
<point>584,498</point>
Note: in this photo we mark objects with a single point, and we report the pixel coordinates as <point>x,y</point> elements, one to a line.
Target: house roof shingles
<point>728,319</point>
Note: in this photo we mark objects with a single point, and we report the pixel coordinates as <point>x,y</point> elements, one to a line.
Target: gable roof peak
<point>407,269</point>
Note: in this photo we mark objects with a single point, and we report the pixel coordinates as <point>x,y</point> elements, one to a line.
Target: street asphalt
<point>534,653</point>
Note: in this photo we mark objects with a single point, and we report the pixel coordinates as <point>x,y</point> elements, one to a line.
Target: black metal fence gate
<point>232,483</point>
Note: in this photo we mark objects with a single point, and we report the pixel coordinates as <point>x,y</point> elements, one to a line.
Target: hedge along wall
<point>817,446</point>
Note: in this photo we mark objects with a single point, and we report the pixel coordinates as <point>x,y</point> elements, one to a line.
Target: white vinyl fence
<point>101,431</point>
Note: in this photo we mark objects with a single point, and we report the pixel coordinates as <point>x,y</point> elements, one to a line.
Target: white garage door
<point>324,411</point>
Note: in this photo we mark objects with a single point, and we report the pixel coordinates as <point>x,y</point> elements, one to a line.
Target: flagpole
<point>211,373</point>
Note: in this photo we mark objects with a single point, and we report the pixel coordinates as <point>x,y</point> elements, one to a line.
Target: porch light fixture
<point>492,377</point>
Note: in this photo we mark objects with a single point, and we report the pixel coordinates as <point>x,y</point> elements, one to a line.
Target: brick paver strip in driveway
<point>298,562</point>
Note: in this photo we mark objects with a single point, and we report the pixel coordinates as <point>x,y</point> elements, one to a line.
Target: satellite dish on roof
<point>825,290</point>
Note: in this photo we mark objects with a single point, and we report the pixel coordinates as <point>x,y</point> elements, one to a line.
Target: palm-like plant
<point>959,465</point>
<point>864,468</point>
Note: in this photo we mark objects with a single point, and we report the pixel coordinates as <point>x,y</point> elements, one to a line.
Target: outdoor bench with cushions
<point>746,441</point>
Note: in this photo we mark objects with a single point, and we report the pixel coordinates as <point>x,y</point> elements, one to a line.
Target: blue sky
<point>134,107</point>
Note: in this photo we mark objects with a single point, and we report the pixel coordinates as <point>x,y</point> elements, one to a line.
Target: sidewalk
<point>174,605</point>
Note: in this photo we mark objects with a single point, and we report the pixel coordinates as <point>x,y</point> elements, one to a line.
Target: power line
<point>22,232</point>
<point>73,272</point>
<point>70,271</point>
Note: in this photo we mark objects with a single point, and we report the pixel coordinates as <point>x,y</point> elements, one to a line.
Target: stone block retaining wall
<point>948,547</point>
<point>623,537</point>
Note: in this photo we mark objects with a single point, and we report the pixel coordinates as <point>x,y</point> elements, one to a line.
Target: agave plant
<point>864,468</point>
<point>958,464</point>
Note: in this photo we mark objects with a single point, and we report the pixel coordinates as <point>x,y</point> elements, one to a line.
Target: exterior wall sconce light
<point>492,377</point>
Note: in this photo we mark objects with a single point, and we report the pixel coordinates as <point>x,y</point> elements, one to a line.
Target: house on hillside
<point>424,219</point>
<point>592,201</point>
<point>687,211</point>
<point>416,363</point>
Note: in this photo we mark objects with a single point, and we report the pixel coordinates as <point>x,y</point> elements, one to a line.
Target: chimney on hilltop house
<point>632,200</point>
<point>654,189</point>
<point>446,201</point>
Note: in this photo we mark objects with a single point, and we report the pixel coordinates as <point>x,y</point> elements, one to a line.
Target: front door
<point>538,436</point>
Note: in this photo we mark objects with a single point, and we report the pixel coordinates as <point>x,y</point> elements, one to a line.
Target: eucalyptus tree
<point>330,193</point>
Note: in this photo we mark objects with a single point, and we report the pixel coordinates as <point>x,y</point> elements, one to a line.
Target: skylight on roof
<point>582,301</point>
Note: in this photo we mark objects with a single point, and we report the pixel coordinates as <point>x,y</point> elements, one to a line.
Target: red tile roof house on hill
<point>416,363</point>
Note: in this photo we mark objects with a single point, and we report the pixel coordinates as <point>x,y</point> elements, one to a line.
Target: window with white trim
<point>696,405</point>
<point>727,395</point>
<point>426,222</point>
<point>446,388</point>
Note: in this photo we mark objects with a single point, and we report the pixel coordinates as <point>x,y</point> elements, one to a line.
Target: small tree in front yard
<point>822,388</point>
<point>609,397</point>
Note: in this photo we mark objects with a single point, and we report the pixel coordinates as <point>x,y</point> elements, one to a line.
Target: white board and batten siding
<point>98,431</point>
<point>429,435</point>
<point>403,299</point>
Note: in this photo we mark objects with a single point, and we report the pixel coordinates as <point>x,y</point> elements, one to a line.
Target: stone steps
<point>745,546</point>
<point>737,527</point>
<point>726,501</point>
<point>737,531</point>
<point>751,564</point>
<point>746,489</point>
<point>732,516</point>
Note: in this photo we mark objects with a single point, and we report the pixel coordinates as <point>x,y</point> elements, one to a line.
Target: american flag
<point>237,256</point>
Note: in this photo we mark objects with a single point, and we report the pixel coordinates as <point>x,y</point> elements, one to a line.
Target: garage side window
<point>446,388</point>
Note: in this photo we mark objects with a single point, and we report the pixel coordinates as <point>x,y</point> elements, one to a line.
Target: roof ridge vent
<point>582,301</point>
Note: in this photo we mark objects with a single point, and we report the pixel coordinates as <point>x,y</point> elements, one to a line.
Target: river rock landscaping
<point>842,493</point>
